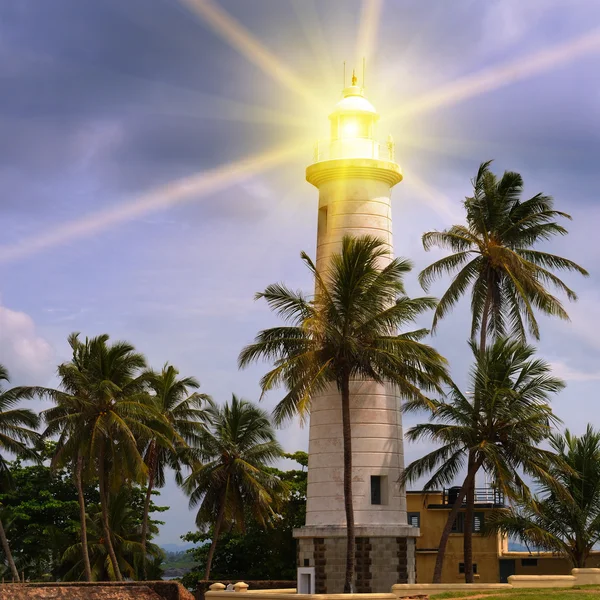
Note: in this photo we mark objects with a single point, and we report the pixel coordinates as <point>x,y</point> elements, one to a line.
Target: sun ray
<point>501,75</point>
<point>243,41</point>
<point>436,200</point>
<point>175,192</point>
<point>370,17</point>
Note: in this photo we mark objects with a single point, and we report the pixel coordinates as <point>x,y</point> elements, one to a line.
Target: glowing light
<point>243,41</point>
<point>175,192</point>
<point>350,128</point>
<point>502,75</point>
<point>370,17</point>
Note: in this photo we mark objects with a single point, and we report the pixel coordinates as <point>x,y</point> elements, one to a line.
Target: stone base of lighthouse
<point>384,556</point>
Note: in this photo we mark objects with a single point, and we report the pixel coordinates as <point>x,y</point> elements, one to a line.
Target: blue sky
<point>105,101</point>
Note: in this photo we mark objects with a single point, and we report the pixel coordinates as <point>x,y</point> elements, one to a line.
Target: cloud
<point>567,373</point>
<point>29,358</point>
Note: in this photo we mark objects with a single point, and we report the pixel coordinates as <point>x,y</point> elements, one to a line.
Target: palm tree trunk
<point>347,436</point>
<point>213,544</point>
<point>484,321</point>
<point>82,519</point>
<point>151,470</point>
<point>468,529</point>
<point>8,554</point>
<point>104,507</point>
<point>439,562</point>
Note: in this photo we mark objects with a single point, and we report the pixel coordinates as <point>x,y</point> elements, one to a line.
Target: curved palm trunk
<point>468,530</point>
<point>82,519</point>
<point>470,492</point>
<point>213,544</point>
<point>8,554</point>
<point>439,562</point>
<point>350,536</point>
<point>104,507</point>
<point>151,473</point>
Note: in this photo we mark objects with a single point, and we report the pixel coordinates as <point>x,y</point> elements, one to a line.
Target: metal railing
<point>354,148</point>
<point>487,495</point>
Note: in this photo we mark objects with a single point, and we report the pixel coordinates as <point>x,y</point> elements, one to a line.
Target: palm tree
<point>16,437</point>
<point>494,256</point>
<point>568,522</point>
<point>498,430</point>
<point>237,447</point>
<point>124,522</point>
<point>101,412</point>
<point>348,331</point>
<point>184,413</point>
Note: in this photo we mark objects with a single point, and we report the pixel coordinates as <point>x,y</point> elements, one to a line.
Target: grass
<point>587,592</point>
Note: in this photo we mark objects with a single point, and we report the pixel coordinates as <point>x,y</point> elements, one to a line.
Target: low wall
<point>541,581</point>
<point>586,576</point>
<point>256,585</point>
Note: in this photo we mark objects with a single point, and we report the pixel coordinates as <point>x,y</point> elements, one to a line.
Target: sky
<point>152,157</point>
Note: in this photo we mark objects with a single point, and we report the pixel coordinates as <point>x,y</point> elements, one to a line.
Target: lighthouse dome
<point>353,102</point>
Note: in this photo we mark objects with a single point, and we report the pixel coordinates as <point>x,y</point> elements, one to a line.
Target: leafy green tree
<point>183,410</point>
<point>348,331</point>
<point>101,412</point>
<point>17,437</point>
<point>237,446</point>
<point>499,429</point>
<point>125,520</point>
<point>566,522</point>
<point>259,552</point>
<point>494,257</point>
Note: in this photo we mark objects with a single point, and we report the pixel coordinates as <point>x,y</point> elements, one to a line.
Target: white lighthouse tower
<point>355,174</point>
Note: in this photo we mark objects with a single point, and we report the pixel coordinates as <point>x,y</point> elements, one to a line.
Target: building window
<point>376,489</point>
<point>459,523</point>
<point>461,568</point>
<point>414,519</point>
<point>529,562</point>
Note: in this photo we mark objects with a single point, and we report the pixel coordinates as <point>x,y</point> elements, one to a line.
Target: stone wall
<point>380,562</point>
<point>253,584</point>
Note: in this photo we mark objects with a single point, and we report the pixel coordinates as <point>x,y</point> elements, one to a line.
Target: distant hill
<point>177,547</point>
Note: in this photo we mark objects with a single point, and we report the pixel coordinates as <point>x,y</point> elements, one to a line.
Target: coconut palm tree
<point>17,438</point>
<point>498,429</point>
<point>237,446</point>
<point>568,522</point>
<point>350,330</point>
<point>183,410</point>
<point>101,412</point>
<point>124,520</point>
<point>494,256</point>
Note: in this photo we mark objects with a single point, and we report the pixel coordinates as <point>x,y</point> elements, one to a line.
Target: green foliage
<point>259,552</point>
<point>501,426</point>
<point>42,520</point>
<point>565,516</point>
<point>350,329</point>
<point>493,256</point>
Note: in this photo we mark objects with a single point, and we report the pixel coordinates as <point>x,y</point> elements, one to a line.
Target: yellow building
<point>492,561</point>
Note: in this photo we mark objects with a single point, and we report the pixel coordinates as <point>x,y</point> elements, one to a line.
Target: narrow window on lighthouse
<point>376,489</point>
<point>322,222</point>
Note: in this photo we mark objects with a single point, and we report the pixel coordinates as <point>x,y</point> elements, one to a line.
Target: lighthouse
<point>354,174</point>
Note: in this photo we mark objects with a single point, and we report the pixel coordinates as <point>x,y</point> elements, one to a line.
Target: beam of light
<point>370,17</point>
<point>310,23</point>
<point>175,192</point>
<point>502,75</point>
<point>436,200</point>
<point>243,41</point>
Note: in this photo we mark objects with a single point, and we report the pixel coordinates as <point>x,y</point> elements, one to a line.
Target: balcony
<point>487,497</point>
<point>354,148</point>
